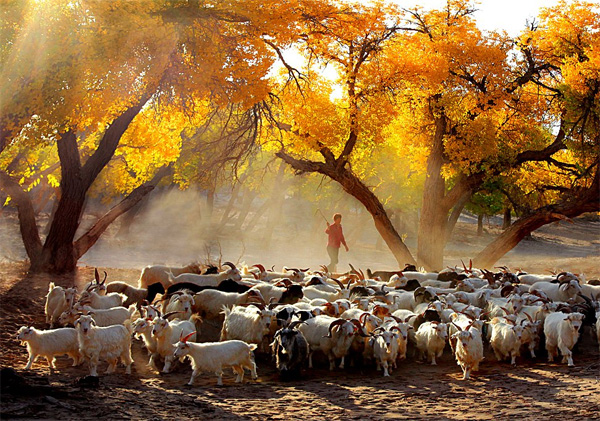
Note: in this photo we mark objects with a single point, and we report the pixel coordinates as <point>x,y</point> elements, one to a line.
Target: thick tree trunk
<point>587,201</point>
<point>434,213</point>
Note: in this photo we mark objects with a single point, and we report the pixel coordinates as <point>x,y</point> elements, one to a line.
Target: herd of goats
<point>294,313</point>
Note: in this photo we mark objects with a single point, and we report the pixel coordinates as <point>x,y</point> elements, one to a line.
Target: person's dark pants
<point>334,253</point>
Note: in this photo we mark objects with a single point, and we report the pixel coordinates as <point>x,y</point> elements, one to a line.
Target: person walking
<point>335,240</point>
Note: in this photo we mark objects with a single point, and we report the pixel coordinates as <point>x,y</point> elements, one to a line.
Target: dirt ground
<point>534,389</point>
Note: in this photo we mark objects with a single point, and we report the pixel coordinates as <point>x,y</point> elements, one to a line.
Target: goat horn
<point>231,265</point>
<point>356,324</point>
<point>339,283</point>
<point>334,324</point>
<point>170,313</point>
<point>295,323</point>
<point>457,326</point>
<point>260,267</point>
<point>96,275</point>
<point>105,276</point>
<point>185,339</point>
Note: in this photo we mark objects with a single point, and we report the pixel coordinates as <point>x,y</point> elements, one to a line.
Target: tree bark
<point>507,218</point>
<point>434,213</point>
<point>587,201</point>
<point>480,225</point>
<point>456,211</point>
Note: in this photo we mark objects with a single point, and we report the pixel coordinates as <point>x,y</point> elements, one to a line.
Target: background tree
<point>77,76</point>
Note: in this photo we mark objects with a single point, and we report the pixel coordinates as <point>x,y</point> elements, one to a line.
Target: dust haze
<point>176,227</point>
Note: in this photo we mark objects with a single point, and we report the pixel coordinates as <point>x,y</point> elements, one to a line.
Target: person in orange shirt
<point>335,240</point>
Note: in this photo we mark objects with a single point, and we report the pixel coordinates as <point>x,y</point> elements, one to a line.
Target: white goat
<point>506,340</point>
<point>167,333</point>
<point>431,339</point>
<point>95,300</point>
<point>385,350</point>
<point>248,324</point>
<point>102,317</point>
<point>468,350</point>
<point>159,273</point>
<point>143,327</point>
<point>558,292</point>
<point>56,303</point>
<point>136,295</point>
<point>562,332</point>
<point>211,279</point>
<point>108,343</point>
<point>49,344</point>
<point>330,335</point>
<point>210,302</point>
<point>180,302</point>
<point>214,356</point>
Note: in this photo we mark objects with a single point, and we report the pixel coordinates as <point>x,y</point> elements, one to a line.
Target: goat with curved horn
<point>333,324</point>
<point>188,336</point>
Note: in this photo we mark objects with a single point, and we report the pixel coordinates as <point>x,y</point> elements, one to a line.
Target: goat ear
<point>93,322</point>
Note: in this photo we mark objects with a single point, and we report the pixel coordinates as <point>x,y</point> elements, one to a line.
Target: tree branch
<point>109,142</point>
<point>87,240</point>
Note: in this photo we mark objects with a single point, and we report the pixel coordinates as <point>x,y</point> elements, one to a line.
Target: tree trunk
<point>234,195</point>
<point>479,225</point>
<point>434,213</point>
<point>210,202</point>
<point>246,206</point>
<point>507,218</point>
<point>456,211</point>
<point>587,201</point>
<point>27,222</point>
<point>276,202</point>
<point>257,215</point>
<point>129,217</point>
